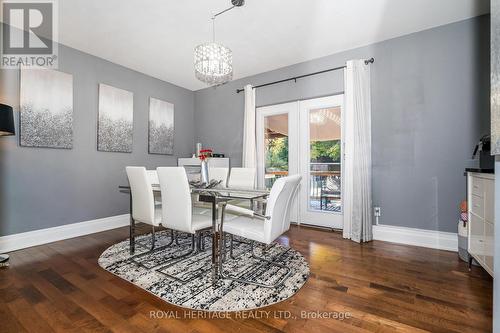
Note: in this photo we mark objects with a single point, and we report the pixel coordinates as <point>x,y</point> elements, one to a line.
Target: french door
<point>305,137</point>
<point>278,146</point>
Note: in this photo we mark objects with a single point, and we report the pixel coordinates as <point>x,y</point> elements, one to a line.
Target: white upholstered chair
<point>177,210</point>
<point>143,203</point>
<point>242,178</point>
<point>153,176</point>
<point>219,174</point>
<point>264,229</point>
<point>153,179</point>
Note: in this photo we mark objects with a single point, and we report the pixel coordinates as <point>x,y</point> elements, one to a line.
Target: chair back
<point>332,183</point>
<point>242,178</point>
<point>279,205</point>
<point>175,198</point>
<point>219,174</point>
<point>153,177</point>
<point>143,205</point>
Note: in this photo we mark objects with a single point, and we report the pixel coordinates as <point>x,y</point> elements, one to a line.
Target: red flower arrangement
<point>205,154</point>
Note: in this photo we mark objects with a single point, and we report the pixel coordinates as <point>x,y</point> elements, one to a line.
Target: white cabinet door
<point>476,240</point>
<point>477,186</point>
<point>489,246</point>
<point>481,200</point>
<point>477,206</point>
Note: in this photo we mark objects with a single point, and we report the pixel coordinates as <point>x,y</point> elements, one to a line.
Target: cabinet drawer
<point>477,186</point>
<point>477,205</point>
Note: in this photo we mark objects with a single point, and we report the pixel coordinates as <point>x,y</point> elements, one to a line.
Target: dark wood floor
<point>384,287</point>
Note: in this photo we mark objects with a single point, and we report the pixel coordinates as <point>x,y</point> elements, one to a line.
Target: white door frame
<point>308,216</point>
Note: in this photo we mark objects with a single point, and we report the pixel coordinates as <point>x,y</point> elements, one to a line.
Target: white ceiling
<point>157,37</point>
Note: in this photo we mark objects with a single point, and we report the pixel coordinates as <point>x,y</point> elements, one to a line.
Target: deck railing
<point>324,184</point>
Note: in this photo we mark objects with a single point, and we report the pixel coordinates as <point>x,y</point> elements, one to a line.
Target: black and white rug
<point>187,281</point>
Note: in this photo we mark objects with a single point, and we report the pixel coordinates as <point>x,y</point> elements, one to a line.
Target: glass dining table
<point>215,196</point>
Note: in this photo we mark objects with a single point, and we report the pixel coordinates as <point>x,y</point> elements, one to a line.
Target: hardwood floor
<point>384,287</point>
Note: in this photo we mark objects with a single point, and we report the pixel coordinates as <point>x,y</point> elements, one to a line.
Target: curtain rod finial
<point>369,61</point>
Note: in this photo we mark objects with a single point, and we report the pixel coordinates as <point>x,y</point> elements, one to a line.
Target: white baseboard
<point>418,237</point>
<point>38,237</point>
<point>401,235</point>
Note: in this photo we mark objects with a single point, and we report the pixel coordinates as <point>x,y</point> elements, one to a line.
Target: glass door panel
<point>324,160</point>
<point>320,161</point>
<point>276,148</point>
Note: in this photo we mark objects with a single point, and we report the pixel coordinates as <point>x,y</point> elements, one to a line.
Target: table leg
<point>215,242</point>
<point>222,244</point>
<point>132,229</point>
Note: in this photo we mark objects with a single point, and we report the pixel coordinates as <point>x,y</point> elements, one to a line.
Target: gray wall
<point>430,104</point>
<point>41,188</point>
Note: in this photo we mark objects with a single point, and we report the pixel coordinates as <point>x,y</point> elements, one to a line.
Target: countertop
<point>478,170</point>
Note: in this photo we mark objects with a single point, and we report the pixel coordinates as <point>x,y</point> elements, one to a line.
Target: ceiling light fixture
<point>213,62</point>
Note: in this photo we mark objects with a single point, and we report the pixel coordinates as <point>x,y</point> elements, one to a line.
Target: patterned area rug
<point>187,282</point>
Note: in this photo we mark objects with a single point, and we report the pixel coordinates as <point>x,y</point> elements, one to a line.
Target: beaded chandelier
<point>213,62</point>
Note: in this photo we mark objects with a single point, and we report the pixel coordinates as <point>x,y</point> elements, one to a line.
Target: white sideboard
<point>480,202</point>
<point>214,162</point>
<point>192,165</point>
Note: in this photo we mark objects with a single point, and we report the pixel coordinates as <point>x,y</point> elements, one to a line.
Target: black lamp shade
<point>6,120</point>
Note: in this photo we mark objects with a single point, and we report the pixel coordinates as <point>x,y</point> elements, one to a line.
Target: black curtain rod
<point>369,61</point>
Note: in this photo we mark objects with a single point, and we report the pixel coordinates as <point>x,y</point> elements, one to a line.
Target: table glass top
<point>222,192</point>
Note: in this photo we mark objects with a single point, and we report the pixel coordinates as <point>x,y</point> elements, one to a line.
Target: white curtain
<point>249,159</point>
<point>358,165</point>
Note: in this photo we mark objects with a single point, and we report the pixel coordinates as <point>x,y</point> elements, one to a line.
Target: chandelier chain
<point>213,29</point>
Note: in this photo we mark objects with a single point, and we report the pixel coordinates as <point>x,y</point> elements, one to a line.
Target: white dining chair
<point>177,210</point>
<point>153,179</point>
<point>262,229</point>
<point>242,178</point>
<point>143,203</point>
<point>219,174</point>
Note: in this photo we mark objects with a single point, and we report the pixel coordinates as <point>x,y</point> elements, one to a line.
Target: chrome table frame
<point>214,196</point>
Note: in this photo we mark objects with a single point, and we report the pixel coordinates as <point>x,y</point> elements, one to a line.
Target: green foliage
<point>321,151</point>
<point>325,151</point>
<point>277,154</point>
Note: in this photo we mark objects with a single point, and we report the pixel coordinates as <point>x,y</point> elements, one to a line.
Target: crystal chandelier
<point>213,62</point>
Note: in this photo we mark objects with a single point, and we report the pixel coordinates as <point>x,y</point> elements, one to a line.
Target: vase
<point>204,172</point>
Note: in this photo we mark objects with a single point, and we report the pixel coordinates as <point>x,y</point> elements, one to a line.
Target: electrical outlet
<point>377,211</point>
